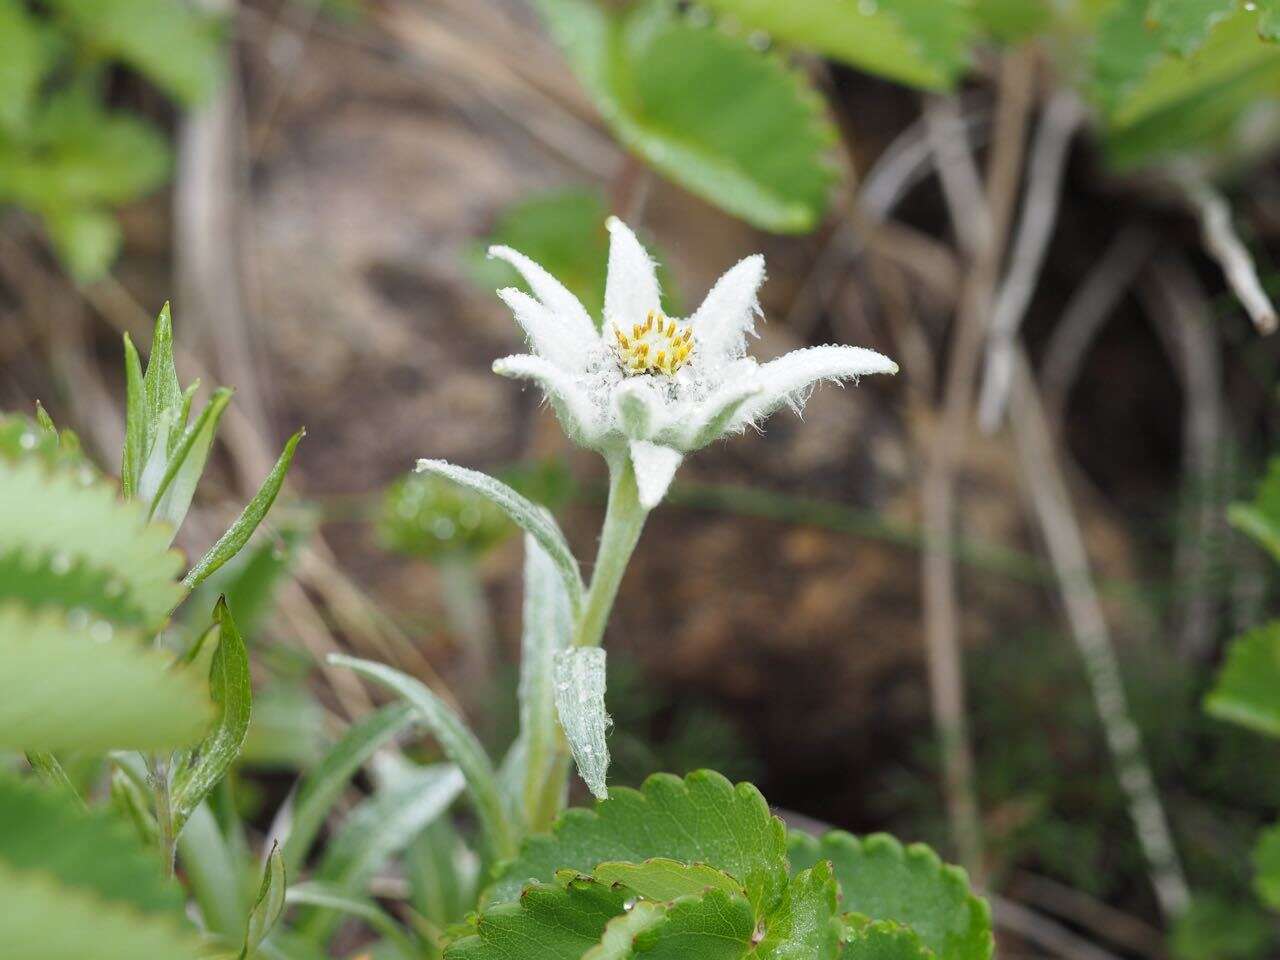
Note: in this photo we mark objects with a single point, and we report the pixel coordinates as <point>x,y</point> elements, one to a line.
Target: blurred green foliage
<point>67,153</point>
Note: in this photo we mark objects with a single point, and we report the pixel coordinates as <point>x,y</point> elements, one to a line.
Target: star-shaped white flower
<point>653,388</point>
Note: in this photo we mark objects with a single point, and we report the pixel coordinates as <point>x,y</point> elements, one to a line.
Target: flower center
<point>658,345</point>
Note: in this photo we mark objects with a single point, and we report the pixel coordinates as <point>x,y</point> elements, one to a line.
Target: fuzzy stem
<point>623,520</point>
<point>158,771</point>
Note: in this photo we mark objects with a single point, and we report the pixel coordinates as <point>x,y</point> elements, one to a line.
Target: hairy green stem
<point>158,771</point>
<point>623,520</point>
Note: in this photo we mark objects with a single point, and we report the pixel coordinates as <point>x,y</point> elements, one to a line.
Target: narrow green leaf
<point>172,498</point>
<point>924,43</point>
<point>135,422</point>
<point>231,689</point>
<point>48,768</point>
<point>527,515</point>
<point>68,686</point>
<point>459,744</point>
<point>45,422</point>
<point>325,897</point>
<point>442,874</point>
<point>700,819</point>
<point>1247,690</point>
<point>1259,518</point>
<point>579,690</point>
<point>270,901</point>
<point>546,631</point>
<point>381,827</point>
<point>160,382</point>
<point>238,534</point>
<point>135,805</point>
<point>322,786</point>
<point>211,872</point>
<point>882,880</point>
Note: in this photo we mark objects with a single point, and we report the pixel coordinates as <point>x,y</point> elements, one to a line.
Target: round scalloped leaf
<point>1183,25</point>
<point>924,43</point>
<point>87,686</point>
<point>664,879</point>
<point>549,921</point>
<point>736,127</point>
<point>882,880</point>
<point>66,519</point>
<point>882,940</point>
<point>700,819</point>
<point>806,925</point>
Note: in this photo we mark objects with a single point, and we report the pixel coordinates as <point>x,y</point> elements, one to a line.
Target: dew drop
<point>78,618</point>
<point>444,528</point>
<point>113,588</point>
<point>60,564</point>
<point>629,904</point>
<point>867,7</point>
<point>28,440</point>
<point>101,631</point>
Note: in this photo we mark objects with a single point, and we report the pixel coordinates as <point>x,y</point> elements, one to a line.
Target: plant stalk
<point>623,520</point>
<point>158,771</point>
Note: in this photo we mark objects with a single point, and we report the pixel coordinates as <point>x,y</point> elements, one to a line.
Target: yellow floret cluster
<point>659,345</point>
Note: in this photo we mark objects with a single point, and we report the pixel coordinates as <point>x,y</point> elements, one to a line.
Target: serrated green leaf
<point>231,689</point>
<point>176,47</point>
<point>806,925</point>
<point>549,922</point>
<point>924,43</point>
<point>882,880</point>
<point>379,828</point>
<point>270,901</point>
<point>1159,106</point>
<point>459,744</point>
<point>1247,690</point>
<point>1266,866</point>
<point>882,940</point>
<point>238,534</point>
<point>69,521</point>
<point>49,832</point>
<point>665,879</point>
<point>1183,25</point>
<point>546,629</point>
<point>21,439</point>
<point>43,920</point>
<point>715,926</point>
<point>76,686</point>
<point>525,514</point>
<point>700,819</point>
<point>580,689</point>
<point>321,787</point>
<point>735,127</point>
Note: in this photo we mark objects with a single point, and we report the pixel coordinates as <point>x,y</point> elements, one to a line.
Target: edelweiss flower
<point>654,388</point>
